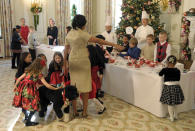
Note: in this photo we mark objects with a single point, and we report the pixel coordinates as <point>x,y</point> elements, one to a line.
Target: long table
<point>142,87</point>
<point>48,50</point>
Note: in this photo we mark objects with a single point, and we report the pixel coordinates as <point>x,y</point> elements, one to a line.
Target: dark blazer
<point>53,31</point>
<point>15,43</point>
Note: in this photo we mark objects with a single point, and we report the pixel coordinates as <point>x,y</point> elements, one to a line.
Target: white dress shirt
<point>110,37</point>
<point>141,34</point>
<point>168,52</point>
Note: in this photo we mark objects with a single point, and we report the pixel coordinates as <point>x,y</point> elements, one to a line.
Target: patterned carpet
<point>119,116</point>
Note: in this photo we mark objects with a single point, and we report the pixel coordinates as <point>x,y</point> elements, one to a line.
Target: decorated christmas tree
<point>131,16</point>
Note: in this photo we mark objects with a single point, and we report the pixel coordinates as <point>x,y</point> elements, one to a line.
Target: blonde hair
<point>150,36</point>
<point>133,41</point>
<point>52,20</point>
<point>31,27</point>
<point>36,67</point>
<point>22,19</point>
<point>163,33</point>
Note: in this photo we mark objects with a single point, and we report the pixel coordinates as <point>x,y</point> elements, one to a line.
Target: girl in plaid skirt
<point>172,93</point>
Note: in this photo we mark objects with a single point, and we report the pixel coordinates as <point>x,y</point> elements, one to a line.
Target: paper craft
<point>129,30</point>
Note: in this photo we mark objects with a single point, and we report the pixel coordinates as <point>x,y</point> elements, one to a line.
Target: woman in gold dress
<point>79,63</point>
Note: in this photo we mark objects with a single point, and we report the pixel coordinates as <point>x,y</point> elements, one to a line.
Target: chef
<point>109,35</point>
<point>143,30</point>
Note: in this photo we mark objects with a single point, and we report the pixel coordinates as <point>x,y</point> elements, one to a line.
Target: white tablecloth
<point>48,50</point>
<point>142,87</point>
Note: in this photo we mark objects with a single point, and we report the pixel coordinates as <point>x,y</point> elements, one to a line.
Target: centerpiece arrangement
<point>36,8</point>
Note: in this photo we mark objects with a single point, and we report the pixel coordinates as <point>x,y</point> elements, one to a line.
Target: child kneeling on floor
<point>26,90</point>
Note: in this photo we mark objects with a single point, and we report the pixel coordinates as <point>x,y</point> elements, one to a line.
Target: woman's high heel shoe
<point>84,116</point>
<point>76,115</point>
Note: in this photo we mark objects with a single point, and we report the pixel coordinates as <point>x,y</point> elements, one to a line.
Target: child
<point>32,42</point>
<point>26,92</point>
<point>102,53</point>
<point>44,102</point>
<point>55,78</point>
<point>55,69</point>
<point>16,46</point>
<point>126,39</point>
<point>133,51</point>
<point>162,49</point>
<point>68,29</point>
<point>172,93</point>
<point>25,61</point>
<point>147,51</point>
<point>100,48</point>
<point>45,69</point>
<point>97,65</point>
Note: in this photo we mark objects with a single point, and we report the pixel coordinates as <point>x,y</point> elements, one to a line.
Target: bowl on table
<point>137,65</point>
<point>141,62</point>
<point>147,62</point>
<point>152,64</point>
<point>111,60</point>
<point>129,64</point>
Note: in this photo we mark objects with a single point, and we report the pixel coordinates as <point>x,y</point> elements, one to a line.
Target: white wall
<point>21,9</point>
<point>188,4</point>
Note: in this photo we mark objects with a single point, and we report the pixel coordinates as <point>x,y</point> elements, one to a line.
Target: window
<point>116,11</point>
<point>79,4</point>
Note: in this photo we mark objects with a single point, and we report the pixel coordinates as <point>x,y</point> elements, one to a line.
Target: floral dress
<point>27,94</point>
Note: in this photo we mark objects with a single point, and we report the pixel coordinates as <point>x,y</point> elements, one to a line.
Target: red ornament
<point>129,64</point>
<point>147,61</point>
<point>137,65</point>
<point>152,64</point>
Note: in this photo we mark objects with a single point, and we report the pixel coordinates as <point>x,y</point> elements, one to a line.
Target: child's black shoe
<point>101,112</point>
<point>66,109</point>
<point>31,123</point>
<point>41,113</point>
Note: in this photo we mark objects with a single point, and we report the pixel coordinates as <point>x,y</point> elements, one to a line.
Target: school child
<point>172,94</point>
<point>26,91</point>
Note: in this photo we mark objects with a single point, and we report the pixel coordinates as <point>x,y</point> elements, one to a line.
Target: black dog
<point>47,96</point>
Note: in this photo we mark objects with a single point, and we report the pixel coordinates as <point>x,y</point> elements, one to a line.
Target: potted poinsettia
<point>36,9</point>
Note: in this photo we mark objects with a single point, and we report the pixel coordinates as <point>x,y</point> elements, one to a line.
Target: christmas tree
<point>131,16</point>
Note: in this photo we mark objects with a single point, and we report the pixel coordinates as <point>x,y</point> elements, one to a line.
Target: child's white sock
<point>175,112</point>
<point>171,112</point>
<point>98,104</point>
